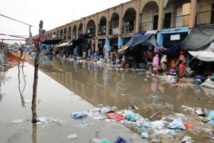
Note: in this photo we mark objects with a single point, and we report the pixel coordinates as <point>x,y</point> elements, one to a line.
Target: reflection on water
<point>21,91</point>
<point>1,95</point>
<point>34,133</point>
<point>102,85</point>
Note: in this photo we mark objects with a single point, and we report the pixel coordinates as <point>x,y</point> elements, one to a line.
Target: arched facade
<point>91,27</point>
<point>123,20</point>
<point>80,29</point>
<point>61,34</point>
<point>129,21</point>
<point>69,33</point>
<point>114,24</point>
<point>74,31</point>
<point>149,16</point>
<point>102,26</point>
<point>65,34</point>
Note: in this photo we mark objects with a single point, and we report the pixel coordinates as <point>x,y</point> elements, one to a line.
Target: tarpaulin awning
<point>57,47</point>
<point>137,39</point>
<point>65,44</point>
<point>173,51</point>
<point>81,38</point>
<point>50,42</point>
<point>206,55</point>
<point>199,38</point>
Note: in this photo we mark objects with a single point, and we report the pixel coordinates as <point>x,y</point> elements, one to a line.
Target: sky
<point>54,13</point>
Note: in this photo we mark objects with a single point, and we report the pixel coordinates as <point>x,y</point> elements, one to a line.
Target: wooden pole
<point>2,44</point>
<point>36,68</point>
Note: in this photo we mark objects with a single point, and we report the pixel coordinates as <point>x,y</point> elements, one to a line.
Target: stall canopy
<point>62,45</point>
<point>137,39</point>
<point>51,42</point>
<point>81,38</point>
<point>173,51</point>
<point>206,55</point>
<point>199,38</point>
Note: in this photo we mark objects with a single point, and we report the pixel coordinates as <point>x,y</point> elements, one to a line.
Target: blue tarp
<point>173,51</point>
<point>138,38</point>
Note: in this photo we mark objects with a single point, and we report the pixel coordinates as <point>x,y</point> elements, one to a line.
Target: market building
<point>171,20</point>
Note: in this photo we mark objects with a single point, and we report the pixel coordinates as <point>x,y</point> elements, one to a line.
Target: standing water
<point>65,87</point>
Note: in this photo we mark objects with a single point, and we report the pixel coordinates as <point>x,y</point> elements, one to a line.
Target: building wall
<point>141,16</point>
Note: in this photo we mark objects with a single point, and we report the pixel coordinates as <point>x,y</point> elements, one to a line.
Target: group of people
<point>173,66</point>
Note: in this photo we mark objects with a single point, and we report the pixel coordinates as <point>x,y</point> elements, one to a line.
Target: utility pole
<point>36,68</point>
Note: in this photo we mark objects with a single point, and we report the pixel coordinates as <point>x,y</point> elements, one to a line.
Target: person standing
<point>155,63</point>
<point>182,65</point>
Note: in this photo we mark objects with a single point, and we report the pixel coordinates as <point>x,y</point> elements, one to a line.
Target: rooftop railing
<point>205,17</point>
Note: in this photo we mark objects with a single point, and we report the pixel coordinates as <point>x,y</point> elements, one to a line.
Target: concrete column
<point>161,13</point>
<point>160,39</point>
<point>84,26</point>
<point>106,48</point>
<point>193,11</point>
<point>120,42</point>
<point>96,44</point>
<point>121,19</point>
<point>107,24</point>
<point>137,23</point>
<point>97,31</point>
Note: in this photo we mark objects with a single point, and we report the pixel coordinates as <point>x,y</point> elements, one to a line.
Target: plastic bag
<point>176,124</point>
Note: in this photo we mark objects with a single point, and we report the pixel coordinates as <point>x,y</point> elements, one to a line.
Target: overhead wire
<point>18,21</point>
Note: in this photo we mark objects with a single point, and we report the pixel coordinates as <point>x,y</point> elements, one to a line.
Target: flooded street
<point>65,87</point>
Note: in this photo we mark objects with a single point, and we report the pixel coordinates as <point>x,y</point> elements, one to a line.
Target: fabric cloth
<point>182,66</point>
<point>155,63</point>
<point>163,63</point>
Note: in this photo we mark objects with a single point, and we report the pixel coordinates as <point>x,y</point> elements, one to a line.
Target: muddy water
<point>109,86</point>
<point>65,87</point>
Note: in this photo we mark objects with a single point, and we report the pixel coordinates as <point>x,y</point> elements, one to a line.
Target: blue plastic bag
<point>77,115</point>
<point>210,115</point>
<point>176,124</point>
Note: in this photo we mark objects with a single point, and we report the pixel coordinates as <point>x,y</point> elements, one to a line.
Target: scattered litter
<point>17,121</point>
<point>144,135</point>
<point>130,117</point>
<point>133,107</point>
<point>27,101</point>
<point>210,115</point>
<point>186,139</point>
<point>176,124</point>
<point>72,136</point>
<point>199,112</point>
<point>77,115</point>
<point>120,140</point>
<point>188,126</point>
<point>42,120</point>
<point>115,116</point>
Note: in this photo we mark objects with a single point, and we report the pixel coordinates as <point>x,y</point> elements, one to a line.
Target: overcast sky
<point>54,13</point>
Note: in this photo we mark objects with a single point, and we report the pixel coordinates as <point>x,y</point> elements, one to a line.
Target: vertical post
<point>137,24</point>
<point>2,44</point>
<point>36,68</point>
<point>193,11</point>
<point>161,12</point>
<point>121,20</point>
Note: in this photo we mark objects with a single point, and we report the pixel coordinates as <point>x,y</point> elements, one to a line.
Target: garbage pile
<point>170,128</point>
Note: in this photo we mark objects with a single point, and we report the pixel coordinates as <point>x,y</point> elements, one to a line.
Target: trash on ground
<point>120,140</point>
<point>72,136</point>
<point>77,115</point>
